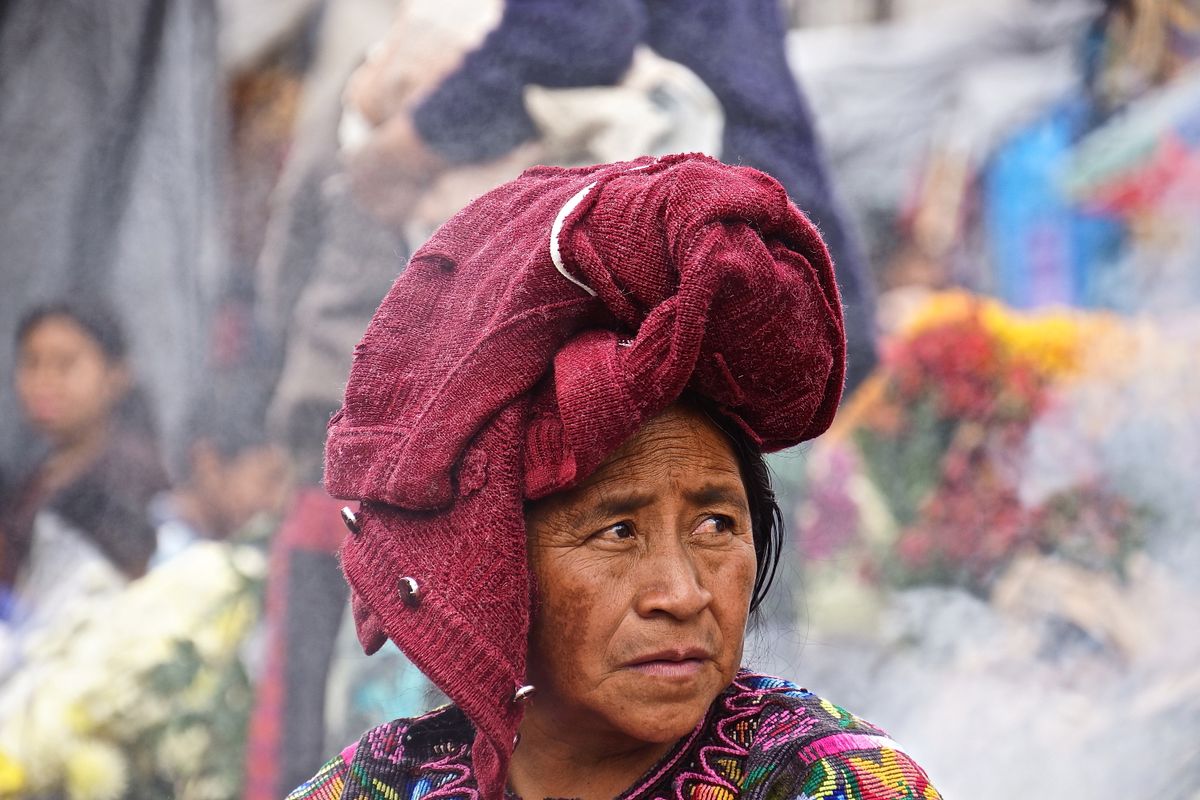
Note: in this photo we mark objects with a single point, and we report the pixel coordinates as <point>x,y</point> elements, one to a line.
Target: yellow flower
<point>12,777</point>
<point>943,308</point>
<point>1052,341</point>
<point>95,771</point>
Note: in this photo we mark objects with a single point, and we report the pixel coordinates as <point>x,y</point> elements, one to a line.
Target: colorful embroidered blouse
<point>763,738</point>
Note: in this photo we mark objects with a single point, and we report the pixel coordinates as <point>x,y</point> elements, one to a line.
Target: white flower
<point>119,670</point>
<point>180,750</point>
<point>38,734</point>
<point>249,561</point>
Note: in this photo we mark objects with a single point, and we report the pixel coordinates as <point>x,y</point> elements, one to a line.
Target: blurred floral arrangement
<point>144,695</point>
<point>939,434</point>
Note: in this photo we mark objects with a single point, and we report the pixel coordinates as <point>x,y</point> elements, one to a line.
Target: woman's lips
<point>681,663</point>
<point>669,669</point>
<point>39,410</point>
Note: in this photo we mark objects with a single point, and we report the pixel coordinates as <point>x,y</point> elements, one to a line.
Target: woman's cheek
<point>564,637</point>
<point>575,597</point>
<point>732,568</point>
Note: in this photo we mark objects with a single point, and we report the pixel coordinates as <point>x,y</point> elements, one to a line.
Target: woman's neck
<point>552,759</point>
<point>72,455</point>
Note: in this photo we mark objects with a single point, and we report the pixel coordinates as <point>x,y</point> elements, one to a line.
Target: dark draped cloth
<point>735,46</point>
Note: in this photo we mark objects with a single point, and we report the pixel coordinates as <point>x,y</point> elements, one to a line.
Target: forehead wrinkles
<point>670,459</point>
<point>676,445</point>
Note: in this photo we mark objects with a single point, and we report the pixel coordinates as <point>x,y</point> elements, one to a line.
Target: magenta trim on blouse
<point>843,742</point>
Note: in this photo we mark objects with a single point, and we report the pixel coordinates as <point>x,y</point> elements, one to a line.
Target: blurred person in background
<point>324,264</point>
<point>478,111</point>
<point>77,523</point>
<point>231,473</point>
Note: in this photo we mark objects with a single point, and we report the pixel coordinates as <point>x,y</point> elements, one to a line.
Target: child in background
<point>76,523</point>
<point>230,473</point>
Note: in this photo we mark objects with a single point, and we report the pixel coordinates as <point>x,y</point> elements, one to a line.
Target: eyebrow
<point>619,503</point>
<point>712,494</point>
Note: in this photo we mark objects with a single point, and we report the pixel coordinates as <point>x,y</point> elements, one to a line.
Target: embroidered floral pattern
<point>763,738</point>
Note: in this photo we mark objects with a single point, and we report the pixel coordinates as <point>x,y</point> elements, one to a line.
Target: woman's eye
<point>620,531</point>
<point>715,525</point>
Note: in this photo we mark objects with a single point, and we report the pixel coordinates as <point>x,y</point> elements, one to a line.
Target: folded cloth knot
<point>536,330</point>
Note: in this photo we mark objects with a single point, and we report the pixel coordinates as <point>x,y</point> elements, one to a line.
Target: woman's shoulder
<point>408,756</point>
<point>806,746</point>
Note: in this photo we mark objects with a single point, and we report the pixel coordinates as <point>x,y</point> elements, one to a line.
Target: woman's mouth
<point>680,663</point>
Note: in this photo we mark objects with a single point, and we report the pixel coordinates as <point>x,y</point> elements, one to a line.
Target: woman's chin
<point>667,702</point>
<point>664,724</point>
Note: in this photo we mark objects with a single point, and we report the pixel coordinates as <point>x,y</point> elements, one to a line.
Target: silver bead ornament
<point>411,591</point>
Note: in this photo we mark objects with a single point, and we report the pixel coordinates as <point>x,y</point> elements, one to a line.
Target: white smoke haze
<point>1067,682</point>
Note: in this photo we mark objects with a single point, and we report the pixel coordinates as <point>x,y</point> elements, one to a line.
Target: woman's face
<point>65,381</point>
<point>645,573</point>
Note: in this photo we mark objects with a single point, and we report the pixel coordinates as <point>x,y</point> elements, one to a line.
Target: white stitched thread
<point>556,229</point>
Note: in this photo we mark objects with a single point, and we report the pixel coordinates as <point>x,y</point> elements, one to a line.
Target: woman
<point>554,425</point>
<point>83,509</point>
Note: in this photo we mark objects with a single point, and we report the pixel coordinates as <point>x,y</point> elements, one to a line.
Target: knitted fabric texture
<point>537,330</point>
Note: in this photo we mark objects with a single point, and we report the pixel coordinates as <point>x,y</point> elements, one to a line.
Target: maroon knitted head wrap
<point>536,331</point>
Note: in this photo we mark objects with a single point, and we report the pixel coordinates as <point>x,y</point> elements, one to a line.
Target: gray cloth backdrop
<point>110,126</point>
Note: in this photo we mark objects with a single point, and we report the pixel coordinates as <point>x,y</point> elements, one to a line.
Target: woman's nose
<point>672,584</point>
